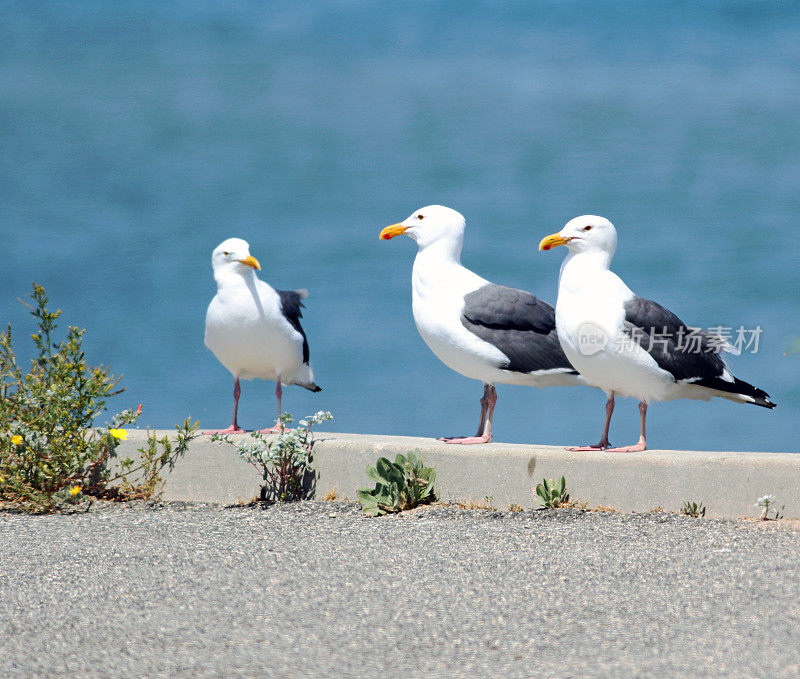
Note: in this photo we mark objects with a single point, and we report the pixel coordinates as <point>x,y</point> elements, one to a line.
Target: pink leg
<point>484,434</point>
<point>277,429</point>
<point>234,428</point>
<point>642,444</point>
<point>484,407</point>
<point>604,438</point>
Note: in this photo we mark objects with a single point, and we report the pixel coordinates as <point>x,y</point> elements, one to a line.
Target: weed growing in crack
<point>552,494</point>
<point>399,485</point>
<point>52,456</point>
<point>283,460</point>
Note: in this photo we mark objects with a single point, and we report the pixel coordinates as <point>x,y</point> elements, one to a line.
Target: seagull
<point>628,345</point>
<point>484,331</point>
<point>254,330</point>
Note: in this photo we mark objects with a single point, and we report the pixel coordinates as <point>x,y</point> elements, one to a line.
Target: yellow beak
<point>391,231</point>
<point>251,261</point>
<point>552,240</point>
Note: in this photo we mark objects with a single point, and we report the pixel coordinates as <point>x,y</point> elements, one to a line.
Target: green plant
<point>399,485</point>
<point>695,509</point>
<point>552,494</point>
<point>141,479</point>
<point>282,460</point>
<point>766,503</point>
<point>51,454</point>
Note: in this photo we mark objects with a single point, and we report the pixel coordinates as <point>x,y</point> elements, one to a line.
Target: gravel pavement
<point>313,589</point>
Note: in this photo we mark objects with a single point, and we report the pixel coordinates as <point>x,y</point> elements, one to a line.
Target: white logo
<point>591,339</point>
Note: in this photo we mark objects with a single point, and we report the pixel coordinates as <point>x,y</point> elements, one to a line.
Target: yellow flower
<point>16,439</point>
<point>74,490</point>
<point>120,434</point>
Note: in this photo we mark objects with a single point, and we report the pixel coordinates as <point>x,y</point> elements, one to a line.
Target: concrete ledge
<point>727,483</point>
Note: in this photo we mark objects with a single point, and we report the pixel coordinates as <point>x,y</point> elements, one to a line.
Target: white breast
<point>589,319</point>
<point>248,333</point>
<point>438,290</point>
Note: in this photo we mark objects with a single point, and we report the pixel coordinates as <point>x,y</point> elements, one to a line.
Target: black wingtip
<point>759,396</point>
<point>764,402</point>
<point>312,387</point>
<point>740,388</point>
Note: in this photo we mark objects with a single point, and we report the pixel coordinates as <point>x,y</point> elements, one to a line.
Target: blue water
<point>134,137</point>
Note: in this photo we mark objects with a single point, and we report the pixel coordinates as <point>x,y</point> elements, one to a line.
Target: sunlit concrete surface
<point>727,483</point>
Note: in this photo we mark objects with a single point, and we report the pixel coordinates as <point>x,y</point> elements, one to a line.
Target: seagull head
<point>234,254</point>
<point>429,225</point>
<point>588,233</point>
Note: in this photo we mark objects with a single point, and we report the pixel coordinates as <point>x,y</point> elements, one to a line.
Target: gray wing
<point>686,353</point>
<point>667,339</point>
<point>290,307</point>
<point>520,325</point>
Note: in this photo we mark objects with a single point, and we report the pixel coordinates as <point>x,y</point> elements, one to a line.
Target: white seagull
<point>253,329</point>
<point>627,345</point>
<point>484,331</point>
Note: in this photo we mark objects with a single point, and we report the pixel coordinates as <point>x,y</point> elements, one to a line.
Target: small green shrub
<point>399,485</point>
<point>51,454</point>
<point>141,479</point>
<point>282,460</point>
<point>552,494</point>
<point>695,509</point>
<point>766,502</point>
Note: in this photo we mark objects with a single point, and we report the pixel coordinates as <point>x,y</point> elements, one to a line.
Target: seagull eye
<point>420,216</point>
<point>226,253</point>
<point>587,228</point>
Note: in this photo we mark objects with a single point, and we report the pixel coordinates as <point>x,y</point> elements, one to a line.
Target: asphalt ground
<point>313,589</point>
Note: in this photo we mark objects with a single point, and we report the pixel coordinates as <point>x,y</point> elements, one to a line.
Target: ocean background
<point>134,137</point>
